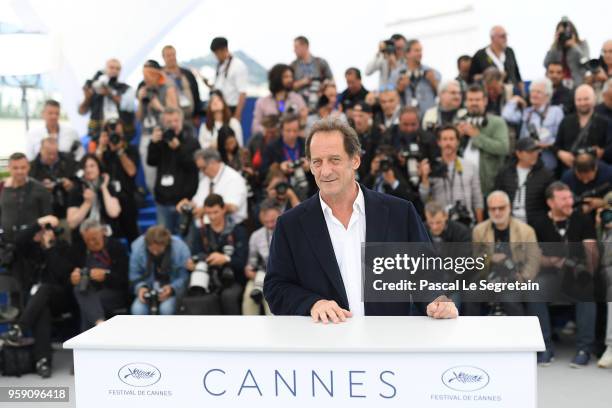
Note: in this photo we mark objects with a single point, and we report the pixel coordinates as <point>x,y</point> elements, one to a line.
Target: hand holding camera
<point>216,259</point>
<point>165,293</point>
<point>75,276</point>
<point>157,135</point>
<point>48,220</point>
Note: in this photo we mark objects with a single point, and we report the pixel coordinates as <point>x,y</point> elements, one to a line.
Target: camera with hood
<point>298,180</point>
<point>413,155</point>
<point>460,213</point>
<point>227,274</point>
<point>389,46</point>
<point>199,281</point>
<point>152,300</point>
<point>258,282</point>
<point>566,33</point>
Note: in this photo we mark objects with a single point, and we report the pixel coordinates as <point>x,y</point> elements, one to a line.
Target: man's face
<point>400,46</point>
<point>49,153</point>
<point>19,169</point>
<point>268,219</point>
<point>409,123</point>
<point>333,169</point>
<point>150,76</point>
<point>499,37</point>
<point>584,100</point>
<point>156,249</point>
<point>562,202</point>
<point>173,121</point>
<point>415,53</point>
<point>476,103</point>
<point>494,87</point>
<point>300,49</point>
<point>50,115</point>
<point>221,54</point>
<point>527,159</point>
<point>537,95</point>
<point>389,101</point>
<point>554,72</point>
<point>499,210</point>
<point>169,56</point>
<point>607,97</point>
<point>290,131</point>
<point>352,83</point>
<point>586,177</point>
<point>215,214</point>
<point>288,80</point>
<point>94,239</point>
<point>91,171</point>
<point>436,223</point>
<point>606,52</point>
<point>113,68</point>
<point>450,99</point>
<point>448,142</point>
<point>209,169</point>
<point>362,121</point>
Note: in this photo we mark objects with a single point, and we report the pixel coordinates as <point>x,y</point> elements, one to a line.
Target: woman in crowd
<point>218,114</point>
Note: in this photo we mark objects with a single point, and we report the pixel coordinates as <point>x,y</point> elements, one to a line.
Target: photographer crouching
<point>101,280</point>
<point>157,271</point>
<point>44,277</point>
<point>223,246</point>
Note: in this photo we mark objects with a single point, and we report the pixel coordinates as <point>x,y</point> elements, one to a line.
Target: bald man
<point>496,54</point>
<point>583,130</point>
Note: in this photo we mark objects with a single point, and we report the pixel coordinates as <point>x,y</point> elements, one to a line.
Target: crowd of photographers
<point>483,158</point>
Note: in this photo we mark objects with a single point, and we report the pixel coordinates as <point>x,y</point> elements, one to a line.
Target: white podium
<point>232,361</point>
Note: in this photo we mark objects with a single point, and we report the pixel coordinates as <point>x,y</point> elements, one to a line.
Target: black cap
<point>360,106</point>
<point>218,43</point>
<point>153,64</point>
<point>527,144</point>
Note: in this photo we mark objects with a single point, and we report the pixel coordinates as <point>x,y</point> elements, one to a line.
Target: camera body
<point>477,120</point>
<point>227,274</point>
<point>151,93</point>
<point>152,300</point>
<point>389,47</point>
<point>566,33</point>
<point>459,212</point>
<point>113,136</point>
<point>281,188</point>
<point>385,165</point>
<point>186,219</point>
<point>413,156</point>
<point>168,135</point>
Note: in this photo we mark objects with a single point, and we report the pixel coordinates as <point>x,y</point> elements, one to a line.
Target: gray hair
<point>90,224</point>
<point>607,85</point>
<point>171,110</point>
<point>208,154</point>
<point>351,140</point>
<point>434,207</point>
<point>499,193</point>
<point>548,86</point>
<point>443,87</point>
<point>48,140</point>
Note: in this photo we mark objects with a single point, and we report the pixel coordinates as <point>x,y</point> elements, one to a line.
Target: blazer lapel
<point>315,229</point>
<point>377,216</point>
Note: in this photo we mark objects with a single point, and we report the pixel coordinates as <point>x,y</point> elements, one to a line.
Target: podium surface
<point>279,361</point>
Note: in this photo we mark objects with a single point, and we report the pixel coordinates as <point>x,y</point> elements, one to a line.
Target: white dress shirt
<point>66,139</point>
<point>347,248</point>
<point>230,185</point>
<point>232,80</point>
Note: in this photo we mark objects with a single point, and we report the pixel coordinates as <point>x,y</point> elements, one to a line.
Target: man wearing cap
<point>525,180</point>
<point>369,136</point>
<point>231,78</point>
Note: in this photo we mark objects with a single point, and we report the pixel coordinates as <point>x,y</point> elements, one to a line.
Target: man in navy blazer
<point>315,255</point>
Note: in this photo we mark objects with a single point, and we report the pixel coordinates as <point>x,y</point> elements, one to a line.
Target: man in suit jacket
<point>314,266</point>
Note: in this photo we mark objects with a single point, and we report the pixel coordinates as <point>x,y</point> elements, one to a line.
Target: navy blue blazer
<point>302,267</point>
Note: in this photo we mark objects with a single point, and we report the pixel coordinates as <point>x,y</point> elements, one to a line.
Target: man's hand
<point>467,129</point>
<point>165,293</point>
<point>98,274</point>
<point>216,259</point>
<point>326,310</point>
<point>431,77</point>
<point>286,167</point>
<point>156,136</point>
<point>249,272</point>
<point>48,219</point>
<point>566,157</point>
<point>75,276</point>
<point>141,294</point>
<point>592,203</point>
<point>174,143</point>
<point>498,257</point>
<point>442,308</point>
<point>389,177</point>
<point>519,101</point>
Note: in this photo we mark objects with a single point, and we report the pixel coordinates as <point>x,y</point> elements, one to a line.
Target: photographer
<point>568,48</point>
<point>155,94</point>
<point>604,224</point>
<point>453,182</point>
<point>218,115</point>
<point>157,271</point>
<point>388,60</point>
<point>55,170</point>
<point>562,95</point>
<point>43,276</point>
<point>279,190</point>
<point>441,229</point>
<point>511,247</point>
<point>120,161</point>
<point>581,130</point>
<point>370,136</point>
<point>386,178</point>
<point>225,246</point>
<point>355,91</point>
<point>411,143</point>
<point>448,111</point>
<point>259,249</point>
<point>101,279</point>
<point>67,138</point>
<point>188,95</point>
<point>565,225</point>
<point>93,198</point>
<point>417,83</point>
<point>497,95</point>
<point>309,72</point>
<point>22,200</point>
<point>288,152</point>
<point>599,71</point>
<point>589,180</point>
<point>525,180</point>
<point>217,177</point>
<point>388,115</point>
<point>540,121</point>
<point>108,99</point>
<point>282,100</point>
<point>485,138</point>
<point>171,154</point>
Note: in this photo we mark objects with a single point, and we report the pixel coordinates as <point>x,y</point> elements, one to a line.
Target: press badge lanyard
<point>448,190</point>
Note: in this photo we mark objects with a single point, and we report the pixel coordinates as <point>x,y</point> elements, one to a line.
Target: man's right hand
<point>75,276</point>
<point>566,157</point>
<point>326,310</point>
<point>141,294</point>
<point>156,136</point>
<point>182,203</point>
<point>48,219</point>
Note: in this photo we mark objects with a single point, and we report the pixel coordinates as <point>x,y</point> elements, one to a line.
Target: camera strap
<point>582,135</point>
<point>542,115</point>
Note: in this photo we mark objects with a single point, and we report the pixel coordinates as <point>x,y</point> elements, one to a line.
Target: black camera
<point>113,136</point>
<point>585,150</point>
<point>168,135</point>
<point>389,47</point>
<point>85,278</point>
<point>413,156</point>
<point>227,274</point>
<point>281,188</point>
<point>566,33</point>
<point>152,300</point>
<point>151,93</point>
<point>7,250</point>
<point>594,192</point>
<point>385,165</point>
<point>258,282</point>
<point>298,179</point>
<point>56,230</point>
<point>186,219</point>
<point>459,213</point>
<point>592,65</point>
<point>477,120</point>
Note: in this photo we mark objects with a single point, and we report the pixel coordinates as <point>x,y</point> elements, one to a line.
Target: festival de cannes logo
<point>465,378</point>
<point>139,374</point>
